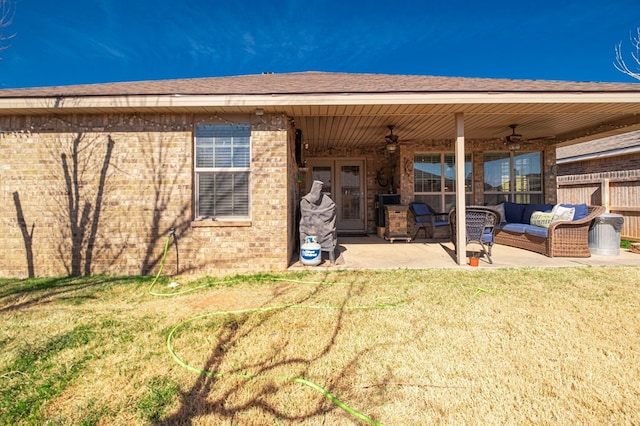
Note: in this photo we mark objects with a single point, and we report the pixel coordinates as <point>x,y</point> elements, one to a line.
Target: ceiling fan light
<point>391,147</point>
<point>514,146</point>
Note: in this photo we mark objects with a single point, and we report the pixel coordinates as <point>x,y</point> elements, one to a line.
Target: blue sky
<point>96,41</point>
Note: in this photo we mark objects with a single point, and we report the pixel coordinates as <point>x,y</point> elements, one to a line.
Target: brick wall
<point>615,167</point>
<point>99,193</point>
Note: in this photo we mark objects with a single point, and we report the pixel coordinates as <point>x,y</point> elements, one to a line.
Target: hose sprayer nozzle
<point>172,232</point>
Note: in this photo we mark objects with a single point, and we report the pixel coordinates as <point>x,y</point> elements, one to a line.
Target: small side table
<point>396,220</point>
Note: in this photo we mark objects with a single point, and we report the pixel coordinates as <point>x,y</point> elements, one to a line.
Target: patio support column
<point>461,225</point>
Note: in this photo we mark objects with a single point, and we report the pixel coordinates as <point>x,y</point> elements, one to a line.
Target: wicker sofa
<point>560,239</point>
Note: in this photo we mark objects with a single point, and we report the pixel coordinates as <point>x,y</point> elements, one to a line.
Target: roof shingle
<point>604,146</point>
<point>316,83</point>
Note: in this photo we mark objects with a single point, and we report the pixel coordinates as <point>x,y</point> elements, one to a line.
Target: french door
<point>344,182</point>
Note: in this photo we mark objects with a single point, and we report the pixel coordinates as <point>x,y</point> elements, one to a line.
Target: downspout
<point>461,225</point>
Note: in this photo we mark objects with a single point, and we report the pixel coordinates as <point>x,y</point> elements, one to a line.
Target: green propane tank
<point>311,252</point>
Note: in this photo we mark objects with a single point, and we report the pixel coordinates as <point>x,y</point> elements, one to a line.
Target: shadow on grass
<point>34,291</point>
<point>197,402</point>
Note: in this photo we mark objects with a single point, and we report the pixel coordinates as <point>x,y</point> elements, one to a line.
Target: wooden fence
<point>619,195</point>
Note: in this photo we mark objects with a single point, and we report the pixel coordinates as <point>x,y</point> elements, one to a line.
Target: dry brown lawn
<point>511,346</point>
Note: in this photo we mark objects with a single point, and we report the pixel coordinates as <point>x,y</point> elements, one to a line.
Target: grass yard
<point>407,347</point>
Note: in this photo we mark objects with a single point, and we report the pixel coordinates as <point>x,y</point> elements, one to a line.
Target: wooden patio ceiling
<point>561,124</point>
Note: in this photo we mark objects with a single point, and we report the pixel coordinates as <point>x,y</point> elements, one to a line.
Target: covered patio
<point>430,139</point>
<point>372,252</point>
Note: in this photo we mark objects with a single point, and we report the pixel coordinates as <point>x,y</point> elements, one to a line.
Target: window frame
<point>243,130</point>
<point>445,192</point>
<point>513,194</point>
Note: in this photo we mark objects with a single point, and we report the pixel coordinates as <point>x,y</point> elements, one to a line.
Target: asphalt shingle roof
<point>317,83</point>
<point>610,145</point>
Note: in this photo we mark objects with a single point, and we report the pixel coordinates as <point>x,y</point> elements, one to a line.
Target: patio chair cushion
<point>487,236</point>
<point>420,209</point>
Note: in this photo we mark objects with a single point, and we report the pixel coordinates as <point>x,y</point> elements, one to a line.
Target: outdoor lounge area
<point>372,252</point>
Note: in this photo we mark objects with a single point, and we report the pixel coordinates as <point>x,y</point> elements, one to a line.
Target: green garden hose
<point>379,304</point>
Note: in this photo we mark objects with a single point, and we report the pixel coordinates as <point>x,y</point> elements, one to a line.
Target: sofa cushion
<point>513,212</point>
<point>542,219</point>
<point>530,208</point>
<point>537,231</point>
<point>514,227</point>
<point>581,210</point>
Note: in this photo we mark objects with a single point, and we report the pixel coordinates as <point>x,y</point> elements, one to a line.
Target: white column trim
<point>461,225</point>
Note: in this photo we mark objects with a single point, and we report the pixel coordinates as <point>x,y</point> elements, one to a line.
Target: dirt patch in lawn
<point>242,298</point>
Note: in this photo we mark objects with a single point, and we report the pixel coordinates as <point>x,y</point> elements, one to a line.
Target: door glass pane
<point>350,181</point>
<point>323,174</point>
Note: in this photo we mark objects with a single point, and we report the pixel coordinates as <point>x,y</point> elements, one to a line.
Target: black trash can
<point>604,234</point>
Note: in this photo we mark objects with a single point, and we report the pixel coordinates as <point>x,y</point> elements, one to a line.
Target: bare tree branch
<point>7,12</point>
<point>621,64</point>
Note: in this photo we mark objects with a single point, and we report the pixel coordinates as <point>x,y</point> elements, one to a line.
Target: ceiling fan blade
<point>543,138</point>
<point>392,138</point>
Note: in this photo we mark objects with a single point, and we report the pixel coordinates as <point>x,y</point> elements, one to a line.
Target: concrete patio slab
<point>372,252</point>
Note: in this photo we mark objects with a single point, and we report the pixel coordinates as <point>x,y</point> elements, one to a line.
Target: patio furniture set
<point>560,230</point>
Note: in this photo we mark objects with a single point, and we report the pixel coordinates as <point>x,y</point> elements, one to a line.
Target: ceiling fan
<point>391,140</point>
<point>514,140</point>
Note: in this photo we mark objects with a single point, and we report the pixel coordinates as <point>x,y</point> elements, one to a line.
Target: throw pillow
<point>563,213</point>
<point>500,209</point>
<point>530,208</point>
<point>582,210</point>
<point>542,219</point>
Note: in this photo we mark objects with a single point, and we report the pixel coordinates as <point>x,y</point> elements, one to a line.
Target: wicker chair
<point>435,224</point>
<point>480,226</point>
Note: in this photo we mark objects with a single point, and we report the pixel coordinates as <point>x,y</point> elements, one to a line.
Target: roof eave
<point>142,102</point>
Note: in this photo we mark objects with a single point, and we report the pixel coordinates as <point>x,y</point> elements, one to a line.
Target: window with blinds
<point>222,168</point>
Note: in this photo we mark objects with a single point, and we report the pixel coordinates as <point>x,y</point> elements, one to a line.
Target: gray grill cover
<point>318,217</point>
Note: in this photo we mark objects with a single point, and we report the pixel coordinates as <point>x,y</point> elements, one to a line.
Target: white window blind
<point>222,168</point>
